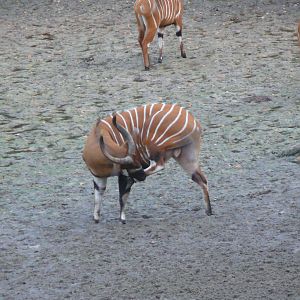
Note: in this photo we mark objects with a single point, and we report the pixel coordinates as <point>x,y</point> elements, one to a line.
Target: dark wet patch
<point>257,99</point>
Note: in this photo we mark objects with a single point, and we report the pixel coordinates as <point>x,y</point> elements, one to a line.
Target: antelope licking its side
<point>153,16</point>
<point>138,142</point>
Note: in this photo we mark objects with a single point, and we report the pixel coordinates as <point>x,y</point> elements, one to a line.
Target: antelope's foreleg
<point>125,184</point>
<point>148,38</point>
<point>160,35</point>
<point>99,189</point>
<point>141,29</point>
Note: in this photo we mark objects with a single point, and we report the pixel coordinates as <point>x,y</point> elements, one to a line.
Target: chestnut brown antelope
<point>153,16</point>
<point>138,142</point>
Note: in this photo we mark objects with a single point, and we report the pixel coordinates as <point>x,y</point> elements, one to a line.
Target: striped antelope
<point>153,16</point>
<point>138,142</point>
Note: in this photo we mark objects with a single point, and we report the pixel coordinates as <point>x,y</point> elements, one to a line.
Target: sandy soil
<point>63,64</point>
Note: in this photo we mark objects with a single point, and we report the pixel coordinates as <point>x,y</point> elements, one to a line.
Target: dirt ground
<point>65,63</point>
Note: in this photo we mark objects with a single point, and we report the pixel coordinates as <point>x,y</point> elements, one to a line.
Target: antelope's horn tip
<point>101,140</point>
<point>114,119</point>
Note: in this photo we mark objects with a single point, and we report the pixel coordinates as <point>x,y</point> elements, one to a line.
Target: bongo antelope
<point>153,16</point>
<point>138,142</point>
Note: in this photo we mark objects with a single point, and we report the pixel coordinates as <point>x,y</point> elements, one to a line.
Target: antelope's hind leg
<point>160,35</point>
<point>189,162</point>
<point>200,179</point>
<point>178,24</point>
<point>99,189</point>
<point>125,184</point>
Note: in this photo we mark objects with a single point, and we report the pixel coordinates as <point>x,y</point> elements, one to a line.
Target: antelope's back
<point>160,124</point>
<point>170,126</point>
<point>169,10</point>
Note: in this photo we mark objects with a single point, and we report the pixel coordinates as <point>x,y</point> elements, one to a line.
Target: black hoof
<point>96,221</point>
<point>160,59</point>
<point>123,221</point>
<point>147,68</point>
<point>183,55</point>
<point>208,212</point>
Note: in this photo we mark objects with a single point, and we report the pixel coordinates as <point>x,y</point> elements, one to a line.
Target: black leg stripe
<point>96,186</point>
<point>179,33</point>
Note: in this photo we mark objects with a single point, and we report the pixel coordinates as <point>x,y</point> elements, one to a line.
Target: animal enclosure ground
<point>65,63</point>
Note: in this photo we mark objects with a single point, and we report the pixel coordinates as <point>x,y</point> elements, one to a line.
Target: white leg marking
<point>122,212</point>
<point>160,40</point>
<point>101,183</point>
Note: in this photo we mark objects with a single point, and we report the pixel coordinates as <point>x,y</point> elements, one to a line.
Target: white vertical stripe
<point>124,121</point>
<point>142,154</point>
<point>151,121</point>
<point>155,24</point>
<point>179,9</point>
<point>131,119</point>
<point>180,131</point>
<point>162,2</point>
<point>137,119</point>
<point>107,124</point>
<point>161,121</point>
<point>120,134</point>
<point>148,153</point>
<point>145,108</point>
<point>169,9</point>
<point>187,134</point>
<point>151,108</point>
<point>159,13</point>
<point>178,116</point>
<point>150,4</point>
<point>173,10</point>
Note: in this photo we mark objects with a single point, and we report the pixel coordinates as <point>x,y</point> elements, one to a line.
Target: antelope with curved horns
<point>153,16</point>
<point>138,142</point>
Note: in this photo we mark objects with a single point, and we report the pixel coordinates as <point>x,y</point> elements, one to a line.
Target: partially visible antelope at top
<point>136,143</point>
<point>153,16</point>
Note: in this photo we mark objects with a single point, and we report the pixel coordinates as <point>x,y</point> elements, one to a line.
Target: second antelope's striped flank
<point>153,16</point>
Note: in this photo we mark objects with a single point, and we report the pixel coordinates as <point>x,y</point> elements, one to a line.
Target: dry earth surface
<point>65,63</point>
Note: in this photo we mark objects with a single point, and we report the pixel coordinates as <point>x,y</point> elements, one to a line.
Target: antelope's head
<point>129,162</point>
